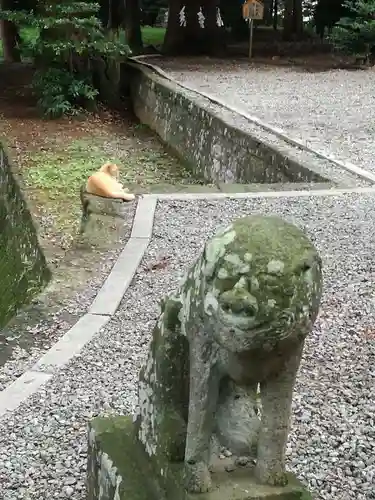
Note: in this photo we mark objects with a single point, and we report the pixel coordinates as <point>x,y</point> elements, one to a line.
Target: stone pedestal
<point>119,469</point>
<point>106,206</point>
<point>96,210</point>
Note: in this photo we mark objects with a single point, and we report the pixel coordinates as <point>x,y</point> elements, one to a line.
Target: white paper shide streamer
<point>201,18</point>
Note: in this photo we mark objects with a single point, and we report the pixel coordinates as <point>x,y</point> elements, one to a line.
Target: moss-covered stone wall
<point>23,268</point>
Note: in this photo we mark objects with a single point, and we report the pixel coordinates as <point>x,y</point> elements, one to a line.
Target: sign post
<point>252,10</point>
<point>251,26</point>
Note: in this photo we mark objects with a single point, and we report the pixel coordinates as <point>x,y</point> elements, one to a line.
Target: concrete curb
<point>121,275</point>
<point>260,194</point>
<point>103,307</point>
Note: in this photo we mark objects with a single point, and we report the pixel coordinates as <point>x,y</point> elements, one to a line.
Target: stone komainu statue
<point>236,325</point>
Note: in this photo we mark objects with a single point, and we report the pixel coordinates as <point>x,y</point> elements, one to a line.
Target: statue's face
<point>251,300</point>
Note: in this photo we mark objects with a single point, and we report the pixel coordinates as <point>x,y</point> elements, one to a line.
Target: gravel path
<point>331,447</point>
<point>332,111</point>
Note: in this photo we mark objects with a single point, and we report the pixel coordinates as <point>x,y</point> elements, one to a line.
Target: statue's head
<point>257,282</point>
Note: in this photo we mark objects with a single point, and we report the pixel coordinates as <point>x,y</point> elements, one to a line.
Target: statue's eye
<point>226,308</point>
<point>250,311</point>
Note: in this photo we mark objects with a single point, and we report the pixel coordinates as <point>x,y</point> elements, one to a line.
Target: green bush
<point>355,34</point>
<point>61,92</point>
<point>69,36</point>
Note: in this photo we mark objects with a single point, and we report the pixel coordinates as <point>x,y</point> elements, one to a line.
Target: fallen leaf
<point>159,264</point>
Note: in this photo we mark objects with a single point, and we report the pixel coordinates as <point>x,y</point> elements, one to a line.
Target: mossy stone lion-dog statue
<point>237,322</point>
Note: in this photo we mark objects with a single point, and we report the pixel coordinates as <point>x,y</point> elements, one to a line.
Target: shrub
<point>355,34</point>
<point>61,92</point>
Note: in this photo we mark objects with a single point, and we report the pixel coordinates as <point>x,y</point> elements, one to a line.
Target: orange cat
<point>105,183</point>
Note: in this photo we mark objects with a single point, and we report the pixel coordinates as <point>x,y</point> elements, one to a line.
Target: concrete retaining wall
<point>23,268</point>
<point>206,138</point>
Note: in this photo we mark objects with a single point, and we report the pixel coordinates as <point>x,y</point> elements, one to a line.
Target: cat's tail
<point>85,208</point>
<point>83,198</point>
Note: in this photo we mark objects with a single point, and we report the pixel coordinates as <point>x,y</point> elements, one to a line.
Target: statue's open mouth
<point>241,322</point>
<point>238,321</point>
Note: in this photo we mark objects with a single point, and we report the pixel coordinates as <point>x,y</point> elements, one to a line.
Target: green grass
<point>60,172</point>
<point>55,176</point>
<point>28,35</point>
<point>151,36</point>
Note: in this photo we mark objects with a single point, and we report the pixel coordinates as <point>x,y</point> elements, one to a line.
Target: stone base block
<point>119,469</point>
<point>106,206</point>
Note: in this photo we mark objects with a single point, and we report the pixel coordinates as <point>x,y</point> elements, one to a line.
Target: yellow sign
<point>253,9</point>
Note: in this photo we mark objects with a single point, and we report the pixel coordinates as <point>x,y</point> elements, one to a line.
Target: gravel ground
<point>24,345</point>
<point>332,111</point>
<point>331,446</point>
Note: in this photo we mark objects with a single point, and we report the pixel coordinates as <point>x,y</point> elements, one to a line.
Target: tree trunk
<point>268,12</point>
<point>214,35</point>
<point>112,13</point>
<point>298,18</point>
<point>174,34</point>
<point>9,35</point>
<point>293,21</point>
<point>275,14</point>
<point>133,25</point>
<point>192,39</point>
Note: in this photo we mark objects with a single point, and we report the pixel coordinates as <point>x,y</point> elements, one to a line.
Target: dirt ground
<point>54,157</point>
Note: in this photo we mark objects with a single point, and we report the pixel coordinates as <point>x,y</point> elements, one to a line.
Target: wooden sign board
<point>253,9</point>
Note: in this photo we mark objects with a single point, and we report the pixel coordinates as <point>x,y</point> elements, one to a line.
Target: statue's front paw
<point>272,476</point>
<point>244,461</point>
<point>197,477</point>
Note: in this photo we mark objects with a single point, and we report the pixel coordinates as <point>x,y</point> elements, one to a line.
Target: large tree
<point>9,34</point>
<point>115,14</point>
<point>293,19</point>
<point>133,25</point>
<point>191,37</point>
